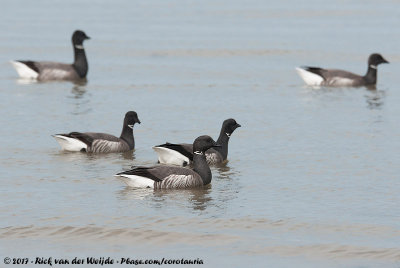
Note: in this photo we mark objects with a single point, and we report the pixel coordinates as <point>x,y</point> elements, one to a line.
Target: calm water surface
<point>313,174</point>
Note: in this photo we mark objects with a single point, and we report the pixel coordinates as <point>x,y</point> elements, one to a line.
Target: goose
<point>173,177</point>
<point>182,154</point>
<point>314,76</point>
<point>47,71</point>
<point>92,142</point>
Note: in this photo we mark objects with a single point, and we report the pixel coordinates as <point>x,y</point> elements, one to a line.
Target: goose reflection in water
<point>81,99</point>
<point>78,91</point>
<point>375,99</point>
<point>198,198</point>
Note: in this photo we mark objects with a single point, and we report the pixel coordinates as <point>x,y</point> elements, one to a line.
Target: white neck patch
<point>79,46</point>
<point>130,126</point>
<point>198,152</point>
<point>229,135</point>
<point>373,67</point>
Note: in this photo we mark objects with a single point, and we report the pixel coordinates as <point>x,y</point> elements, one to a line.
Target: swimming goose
<point>92,142</point>
<point>169,177</point>
<point>314,76</point>
<point>182,154</point>
<point>46,71</point>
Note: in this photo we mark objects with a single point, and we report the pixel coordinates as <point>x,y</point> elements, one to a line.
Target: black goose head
<point>376,59</point>
<point>130,119</point>
<point>78,37</point>
<point>203,143</point>
<point>229,125</point>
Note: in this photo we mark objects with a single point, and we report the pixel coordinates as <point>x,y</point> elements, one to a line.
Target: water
<point>312,178</point>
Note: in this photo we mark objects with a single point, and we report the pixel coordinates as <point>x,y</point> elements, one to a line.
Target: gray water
<point>312,178</point>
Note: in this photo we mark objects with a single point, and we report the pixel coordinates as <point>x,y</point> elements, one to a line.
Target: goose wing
<point>329,74</point>
<point>44,65</point>
<point>106,143</point>
<point>185,149</point>
<point>55,71</point>
<point>48,70</point>
<point>99,142</point>
<point>330,77</point>
<point>30,64</point>
<point>157,173</point>
<point>315,70</point>
<point>83,137</point>
<point>90,137</point>
<point>102,136</point>
<point>166,177</point>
